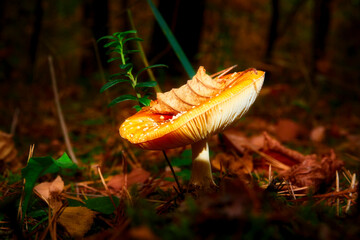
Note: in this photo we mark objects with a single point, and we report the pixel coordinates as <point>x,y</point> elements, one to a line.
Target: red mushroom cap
<point>150,130</point>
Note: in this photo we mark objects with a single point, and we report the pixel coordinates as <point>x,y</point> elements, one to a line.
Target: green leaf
<point>123,34</point>
<point>111,50</point>
<point>37,213</point>
<point>39,166</point>
<point>131,51</point>
<point>152,66</point>
<point>65,162</point>
<point>111,44</point>
<point>146,84</point>
<point>137,107</point>
<point>102,204</point>
<point>133,39</point>
<point>122,98</point>
<point>114,59</point>
<point>172,40</point>
<point>145,101</point>
<point>126,66</point>
<point>117,75</point>
<point>185,174</point>
<point>107,37</point>
<point>183,160</point>
<point>113,83</point>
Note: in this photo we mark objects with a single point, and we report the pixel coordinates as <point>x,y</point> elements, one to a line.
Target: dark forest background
<point>308,108</point>
<point>310,45</point>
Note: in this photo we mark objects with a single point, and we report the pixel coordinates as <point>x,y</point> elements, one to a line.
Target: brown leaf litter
<point>50,192</point>
<point>301,170</point>
<point>120,181</point>
<point>8,152</point>
<point>77,220</point>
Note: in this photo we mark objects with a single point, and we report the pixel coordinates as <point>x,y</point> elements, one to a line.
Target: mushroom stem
<point>201,175</point>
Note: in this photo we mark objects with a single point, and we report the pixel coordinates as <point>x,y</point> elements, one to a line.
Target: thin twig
<point>269,158</point>
<point>352,186</point>
<point>106,187</point>
<point>270,177</point>
<point>342,193</point>
<point>346,177</point>
<point>173,172</point>
<point>223,72</point>
<point>292,191</point>
<point>102,179</point>
<point>59,111</point>
<point>142,53</point>
<point>14,121</point>
<point>337,190</point>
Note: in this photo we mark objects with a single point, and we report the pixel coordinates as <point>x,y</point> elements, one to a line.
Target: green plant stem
<point>142,53</point>
<point>173,172</point>
<point>172,40</point>
<point>129,73</point>
<point>112,111</point>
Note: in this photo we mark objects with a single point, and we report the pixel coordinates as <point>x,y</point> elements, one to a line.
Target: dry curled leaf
<point>313,173</point>
<point>287,130</point>
<point>142,233</point>
<point>8,151</point>
<point>317,134</point>
<point>271,145</point>
<point>198,90</point>
<point>307,173</point>
<point>136,176</point>
<point>77,220</point>
<point>233,164</point>
<point>49,191</point>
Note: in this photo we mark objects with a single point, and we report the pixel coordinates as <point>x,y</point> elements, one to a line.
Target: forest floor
<point>289,168</point>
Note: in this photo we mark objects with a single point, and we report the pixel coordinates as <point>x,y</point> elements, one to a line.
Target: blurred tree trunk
<point>96,20</point>
<point>321,23</point>
<point>34,39</point>
<point>185,18</point>
<point>273,30</point>
<point>2,21</point>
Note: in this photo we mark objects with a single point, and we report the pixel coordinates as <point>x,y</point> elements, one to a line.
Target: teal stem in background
<point>172,40</point>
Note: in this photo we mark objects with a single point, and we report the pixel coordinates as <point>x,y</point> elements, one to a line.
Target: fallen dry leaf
<point>313,173</point>
<point>77,220</point>
<point>47,189</point>
<point>142,233</point>
<point>196,91</point>
<point>317,134</point>
<point>287,130</point>
<point>137,175</point>
<point>235,139</point>
<point>301,170</point>
<point>50,191</point>
<point>289,156</point>
<point>233,164</point>
<point>8,151</point>
<point>307,173</point>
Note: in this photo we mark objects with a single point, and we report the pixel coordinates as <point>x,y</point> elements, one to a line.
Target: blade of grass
<point>60,113</point>
<point>172,40</point>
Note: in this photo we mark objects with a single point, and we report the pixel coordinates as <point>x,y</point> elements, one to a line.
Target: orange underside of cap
<point>150,130</point>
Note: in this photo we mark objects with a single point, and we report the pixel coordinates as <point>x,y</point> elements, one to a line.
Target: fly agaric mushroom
<point>192,113</point>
